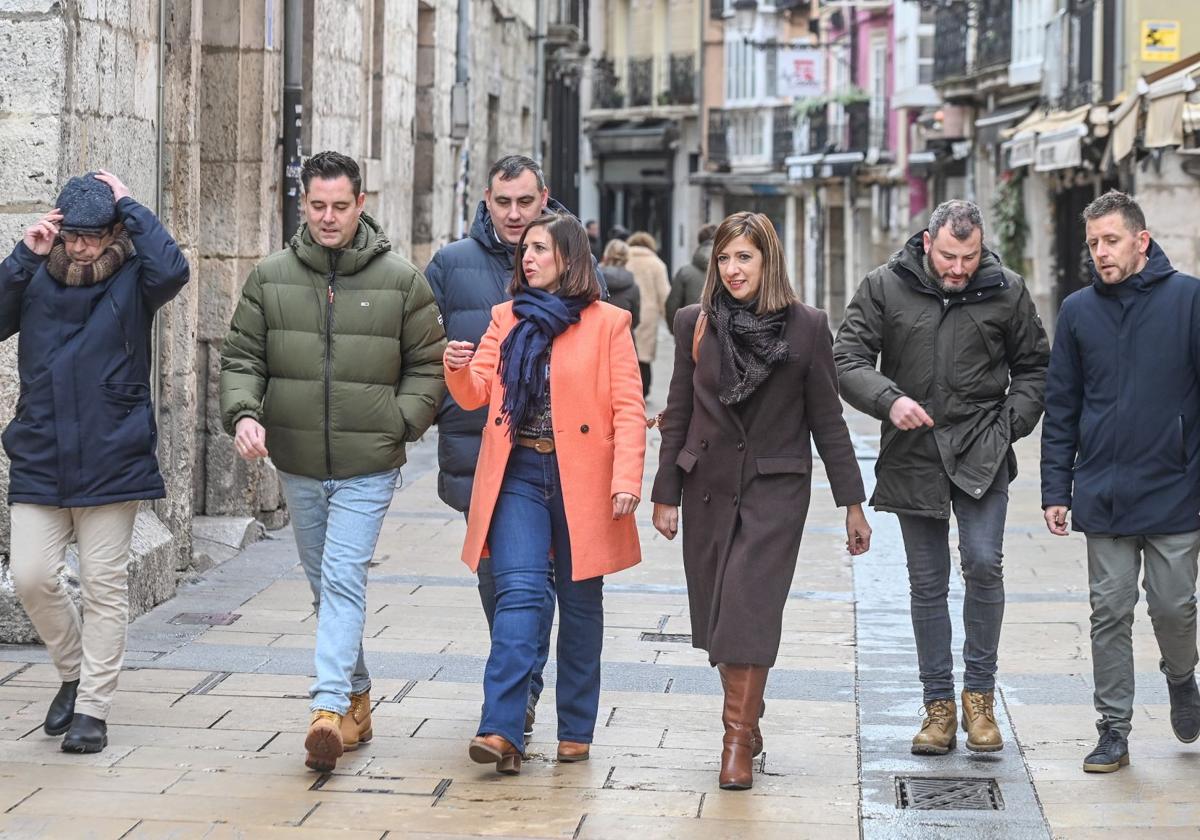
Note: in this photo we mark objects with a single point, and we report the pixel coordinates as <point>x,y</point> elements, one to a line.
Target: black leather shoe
<point>1185,710</point>
<point>87,735</point>
<point>62,709</point>
<point>1111,753</point>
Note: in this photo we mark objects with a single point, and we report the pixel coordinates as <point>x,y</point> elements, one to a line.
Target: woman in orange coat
<point>558,479</point>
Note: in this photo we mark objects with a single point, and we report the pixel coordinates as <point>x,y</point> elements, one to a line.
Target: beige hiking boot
<point>938,731</point>
<point>324,741</point>
<point>356,723</point>
<point>979,721</point>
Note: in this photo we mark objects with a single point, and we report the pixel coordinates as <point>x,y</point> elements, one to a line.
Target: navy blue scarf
<point>541,317</point>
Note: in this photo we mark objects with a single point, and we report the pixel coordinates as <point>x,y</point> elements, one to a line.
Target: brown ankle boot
<point>979,721</point>
<point>356,723</point>
<point>937,735</point>
<point>744,686</point>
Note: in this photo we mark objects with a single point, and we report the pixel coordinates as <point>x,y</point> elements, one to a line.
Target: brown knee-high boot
<point>744,686</point>
<point>756,738</point>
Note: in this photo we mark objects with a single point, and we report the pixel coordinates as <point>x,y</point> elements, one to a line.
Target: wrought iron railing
<point>783,135</point>
<point>606,86</point>
<point>641,82</point>
<point>681,88</point>
<point>994,30</point>
<point>718,137</point>
<point>951,31</point>
<point>858,126</point>
<point>814,130</point>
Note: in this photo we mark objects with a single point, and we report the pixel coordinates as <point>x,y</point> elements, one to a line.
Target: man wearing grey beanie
<point>81,291</point>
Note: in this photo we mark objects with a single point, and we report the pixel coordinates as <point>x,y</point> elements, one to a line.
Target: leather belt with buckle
<point>543,445</point>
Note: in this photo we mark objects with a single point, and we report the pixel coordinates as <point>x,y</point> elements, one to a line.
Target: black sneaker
<point>1185,710</point>
<point>62,709</point>
<point>1111,753</point>
<point>530,717</point>
<point>87,735</point>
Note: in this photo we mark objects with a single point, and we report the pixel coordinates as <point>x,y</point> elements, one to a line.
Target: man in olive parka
<point>333,362</point>
<point>962,367</point>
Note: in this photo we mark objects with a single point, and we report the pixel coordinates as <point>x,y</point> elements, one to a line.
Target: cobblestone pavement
<point>206,732</point>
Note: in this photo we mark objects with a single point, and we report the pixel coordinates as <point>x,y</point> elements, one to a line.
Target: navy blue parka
<point>1121,434</point>
<point>84,433</point>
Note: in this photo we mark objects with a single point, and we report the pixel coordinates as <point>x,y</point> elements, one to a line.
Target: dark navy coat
<point>468,278</point>
<point>84,433</point>
<point>1121,434</point>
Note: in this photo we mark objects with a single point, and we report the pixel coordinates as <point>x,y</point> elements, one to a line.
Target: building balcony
<point>651,82</point>
<point>784,136</point>
<point>858,126</point>
<point>566,22</point>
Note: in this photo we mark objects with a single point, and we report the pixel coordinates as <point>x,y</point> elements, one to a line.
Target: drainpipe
<point>293,113</point>
<point>160,144</point>
<point>539,82</point>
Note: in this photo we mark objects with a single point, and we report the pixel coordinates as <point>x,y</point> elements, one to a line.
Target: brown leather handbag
<point>701,324</point>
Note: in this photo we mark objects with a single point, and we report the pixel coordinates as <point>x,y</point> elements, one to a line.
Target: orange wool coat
<point>599,434</point>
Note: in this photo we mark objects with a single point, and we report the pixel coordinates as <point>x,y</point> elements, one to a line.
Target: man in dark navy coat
<point>81,291</point>
<point>468,278</point>
<point>1121,454</point>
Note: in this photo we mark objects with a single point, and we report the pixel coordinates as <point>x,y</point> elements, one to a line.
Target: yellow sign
<point>1160,40</point>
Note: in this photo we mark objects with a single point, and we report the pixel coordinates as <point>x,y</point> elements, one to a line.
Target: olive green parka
<point>337,353</point>
<point>975,360</point>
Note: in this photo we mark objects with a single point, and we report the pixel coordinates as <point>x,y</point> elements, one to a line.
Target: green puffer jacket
<point>339,388</point>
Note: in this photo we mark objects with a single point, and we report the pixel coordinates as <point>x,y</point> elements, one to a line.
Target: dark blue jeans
<point>528,522</point>
<point>981,550</point>
<point>487,596</point>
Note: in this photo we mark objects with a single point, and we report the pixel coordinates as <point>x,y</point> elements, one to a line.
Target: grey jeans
<point>981,550</point>
<point>1170,583</point>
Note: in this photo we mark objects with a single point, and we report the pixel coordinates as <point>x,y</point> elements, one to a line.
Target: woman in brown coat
<point>736,450</point>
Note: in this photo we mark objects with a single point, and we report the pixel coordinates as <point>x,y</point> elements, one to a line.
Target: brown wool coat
<point>744,477</point>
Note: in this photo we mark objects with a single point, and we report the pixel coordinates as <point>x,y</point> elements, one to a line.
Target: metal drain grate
<point>683,638</point>
<point>211,619</point>
<point>924,793</point>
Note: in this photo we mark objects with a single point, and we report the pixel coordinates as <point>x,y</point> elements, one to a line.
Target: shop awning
<point>634,137</point>
<point>1164,121</point>
<point>1125,126</point>
<point>988,127</point>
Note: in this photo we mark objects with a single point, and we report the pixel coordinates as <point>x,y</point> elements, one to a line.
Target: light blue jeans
<point>337,524</point>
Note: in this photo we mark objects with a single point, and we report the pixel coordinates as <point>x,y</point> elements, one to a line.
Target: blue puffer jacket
<point>84,432</point>
<point>468,278</point>
<point>1121,434</point>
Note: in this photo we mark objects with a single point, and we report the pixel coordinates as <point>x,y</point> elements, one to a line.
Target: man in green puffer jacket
<point>332,363</point>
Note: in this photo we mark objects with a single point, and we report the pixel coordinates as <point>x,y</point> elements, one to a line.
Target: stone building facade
<point>191,121</point>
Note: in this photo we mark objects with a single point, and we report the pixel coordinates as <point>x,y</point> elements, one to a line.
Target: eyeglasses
<point>90,239</point>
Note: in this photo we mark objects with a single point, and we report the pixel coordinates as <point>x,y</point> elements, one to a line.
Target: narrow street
<point>207,729</point>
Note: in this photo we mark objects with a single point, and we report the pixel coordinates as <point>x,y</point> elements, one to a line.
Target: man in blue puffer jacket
<point>468,278</point>
<point>1121,452</point>
<point>81,290</point>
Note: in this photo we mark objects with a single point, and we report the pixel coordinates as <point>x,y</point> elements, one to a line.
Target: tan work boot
<point>979,721</point>
<point>937,735</point>
<point>356,723</point>
<point>324,741</point>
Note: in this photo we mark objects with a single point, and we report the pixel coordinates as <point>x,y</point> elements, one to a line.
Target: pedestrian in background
<point>688,282</point>
<point>593,232</point>
<point>560,470</point>
<point>962,365</point>
<point>1121,454</point>
<point>753,381</point>
<point>650,272</point>
<point>80,290</point>
<point>469,278</point>
<point>332,365</point>
<point>622,287</point>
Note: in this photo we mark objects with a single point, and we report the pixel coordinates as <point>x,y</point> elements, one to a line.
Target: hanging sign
<point>801,72</point>
<point>1160,40</point>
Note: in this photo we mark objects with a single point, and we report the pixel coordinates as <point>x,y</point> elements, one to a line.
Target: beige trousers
<point>90,647</point>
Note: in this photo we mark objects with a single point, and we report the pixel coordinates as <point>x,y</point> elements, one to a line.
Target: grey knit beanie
<point>87,204</point>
